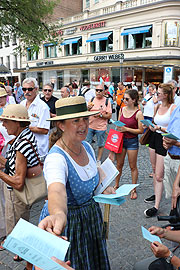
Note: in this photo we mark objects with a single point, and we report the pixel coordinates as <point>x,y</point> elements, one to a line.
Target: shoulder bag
<point>34,188</point>
<point>145,138</point>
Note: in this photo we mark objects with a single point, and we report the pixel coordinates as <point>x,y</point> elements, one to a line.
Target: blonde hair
<point>168,90</point>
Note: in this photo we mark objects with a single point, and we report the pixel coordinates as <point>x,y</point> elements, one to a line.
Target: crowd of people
<point>62,133</point>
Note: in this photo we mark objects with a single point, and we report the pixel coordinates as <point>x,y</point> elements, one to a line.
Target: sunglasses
<point>28,89</point>
<point>127,99</point>
<point>99,90</point>
<point>47,90</point>
<point>157,93</point>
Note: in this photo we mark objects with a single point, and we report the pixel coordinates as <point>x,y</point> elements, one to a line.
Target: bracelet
<point>160,128</point>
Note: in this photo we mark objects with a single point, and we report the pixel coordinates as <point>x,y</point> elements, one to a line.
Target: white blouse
<point>56,169</point>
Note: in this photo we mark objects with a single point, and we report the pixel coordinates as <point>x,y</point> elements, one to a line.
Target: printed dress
<point>84,220</point>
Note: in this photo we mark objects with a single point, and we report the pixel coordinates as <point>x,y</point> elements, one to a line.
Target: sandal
<point>16,258</point>
<point>133,194</point>
<point>2,242</point>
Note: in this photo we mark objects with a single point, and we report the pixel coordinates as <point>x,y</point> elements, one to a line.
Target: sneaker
<point>151,212</point>
<point>150,199</point>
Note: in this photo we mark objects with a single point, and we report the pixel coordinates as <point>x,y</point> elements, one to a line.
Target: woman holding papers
<point>71,174</point>
<point>162,113</point>
<point>131,116</point>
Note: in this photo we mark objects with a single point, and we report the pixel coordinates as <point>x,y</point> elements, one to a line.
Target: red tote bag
<point>114,141</point>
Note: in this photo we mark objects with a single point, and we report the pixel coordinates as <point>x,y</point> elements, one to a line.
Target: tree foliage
<point>29,20</point>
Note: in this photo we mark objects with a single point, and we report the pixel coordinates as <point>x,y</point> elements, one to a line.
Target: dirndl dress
<point>84,228</point>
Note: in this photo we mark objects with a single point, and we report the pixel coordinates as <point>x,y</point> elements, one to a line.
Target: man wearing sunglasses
<point>98,122</point>
<point>49,99</point>
<point>38,112</point>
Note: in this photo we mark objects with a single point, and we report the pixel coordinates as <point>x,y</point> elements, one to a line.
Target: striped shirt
<point>24,147</point>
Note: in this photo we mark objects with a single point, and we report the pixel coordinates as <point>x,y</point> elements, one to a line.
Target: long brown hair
<point>133,95</point>
<point>55,135</point>
<point>168,90</point>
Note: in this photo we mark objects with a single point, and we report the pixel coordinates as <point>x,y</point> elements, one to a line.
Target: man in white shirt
<point>134,87</point>
<point>176,97</point>
<point>38,113</point>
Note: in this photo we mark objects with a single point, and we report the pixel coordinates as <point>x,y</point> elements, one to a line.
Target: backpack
<point>106,103</point>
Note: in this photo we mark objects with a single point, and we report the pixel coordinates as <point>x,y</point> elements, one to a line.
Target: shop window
<point>102,45</point>
<point>138,38</point>
<point>8,62</point>
<point>172,34</point>
<point>60,79</point>
<point>50,50</point>
<point>1,60</point>
<point>6,41</point>
<point>87,3</point>
<point>14,41</point>
<point>73,48</point>
<point>31,55</point>
<point>15,61</point>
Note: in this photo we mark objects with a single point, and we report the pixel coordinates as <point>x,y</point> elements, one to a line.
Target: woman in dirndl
<point>72,176</point>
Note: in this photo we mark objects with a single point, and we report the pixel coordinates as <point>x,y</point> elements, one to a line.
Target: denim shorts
<point>100,134</point>
<point>130,143</point>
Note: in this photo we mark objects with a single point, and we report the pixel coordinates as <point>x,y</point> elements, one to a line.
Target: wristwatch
<point>169,258</point>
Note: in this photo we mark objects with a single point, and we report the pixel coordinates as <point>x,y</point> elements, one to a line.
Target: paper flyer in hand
<point>147,123</point>
<point>117,198</point>
<point>170,136</point>
<point>36,245</point>
<point>110,172</point>
<point>150,237</point>
<point>117,123</point>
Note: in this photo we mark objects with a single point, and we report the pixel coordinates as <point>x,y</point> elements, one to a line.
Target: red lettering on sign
<point>92,26</point>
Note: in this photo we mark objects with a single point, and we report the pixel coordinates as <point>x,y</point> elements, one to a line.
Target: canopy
<point>4,69</point>
<point>136,30</point>
<point>71,41</point>
<point>96,37</point>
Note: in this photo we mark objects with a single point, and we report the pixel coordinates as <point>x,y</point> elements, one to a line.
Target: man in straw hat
<point>38,112</point>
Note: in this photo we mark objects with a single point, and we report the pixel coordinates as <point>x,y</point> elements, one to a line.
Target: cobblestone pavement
<point>125,244</point>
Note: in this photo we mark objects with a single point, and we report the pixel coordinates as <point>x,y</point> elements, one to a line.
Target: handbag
<point>160,264</point>
<point>34,188</point>
<point>145,138</point>
<point>114,141</point>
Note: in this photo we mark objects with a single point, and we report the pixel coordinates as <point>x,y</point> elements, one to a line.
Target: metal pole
<point>120,72</point>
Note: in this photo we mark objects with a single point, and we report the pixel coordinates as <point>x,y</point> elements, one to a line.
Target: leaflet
<point>170,136</point>
<point>110,173</point>
<point>117,123</point>
<point>147,122</point>
<point>118,197</point>
<point>150,237</point>
<point>36,245</point>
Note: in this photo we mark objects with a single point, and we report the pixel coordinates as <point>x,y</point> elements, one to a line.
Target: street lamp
<point>27,69</point>
<point>121,60</point>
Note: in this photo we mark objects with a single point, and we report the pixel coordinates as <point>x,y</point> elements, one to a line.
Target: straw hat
<point>71,107</point>
<point>3,92</point>
<point>15,112</point>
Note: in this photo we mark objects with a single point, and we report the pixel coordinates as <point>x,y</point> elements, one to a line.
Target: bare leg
<point>120,162</point>
<point>153,163</point>
<point>159,179</point>
<point>132,158</point>
<point>100,152</point>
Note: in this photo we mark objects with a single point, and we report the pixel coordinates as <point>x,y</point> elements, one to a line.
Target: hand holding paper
<point>147,123</point>
<point>117,123</point>
<point>150,237</point>
<point>170,136</point>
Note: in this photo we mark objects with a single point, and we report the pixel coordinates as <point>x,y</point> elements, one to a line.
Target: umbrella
<point>4,69</point>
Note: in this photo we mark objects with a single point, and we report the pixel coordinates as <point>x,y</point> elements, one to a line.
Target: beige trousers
<point>14,210</point>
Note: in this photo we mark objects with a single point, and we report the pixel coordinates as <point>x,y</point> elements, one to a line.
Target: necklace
<point>77,154</point>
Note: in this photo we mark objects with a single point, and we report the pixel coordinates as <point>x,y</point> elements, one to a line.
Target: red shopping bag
<point>114,141</point>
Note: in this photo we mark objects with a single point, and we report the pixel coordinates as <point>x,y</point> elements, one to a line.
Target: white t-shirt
<point>149,106</point>
<point>39,112</point>
<point>10,100</point>
<point>56,169</point>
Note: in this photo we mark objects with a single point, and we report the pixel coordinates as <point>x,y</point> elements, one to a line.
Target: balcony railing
<point>107,10</point>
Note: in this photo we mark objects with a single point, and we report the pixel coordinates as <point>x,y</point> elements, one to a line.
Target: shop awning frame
<point>71,41</point>
<point>136,30</point>
<point>99,37</point>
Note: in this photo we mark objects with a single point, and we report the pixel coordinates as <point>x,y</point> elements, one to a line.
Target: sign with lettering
<point>44,63</point>
<point>70,31</point>
<point>110,57</point>
<point>92,26</point>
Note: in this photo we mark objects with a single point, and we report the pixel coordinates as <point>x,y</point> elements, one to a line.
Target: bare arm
<point>57,206</point>
<point>39,130</point>
<point>176,189</point>
<point>17,180</point>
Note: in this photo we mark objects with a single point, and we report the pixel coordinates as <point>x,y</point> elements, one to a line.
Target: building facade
<point>134,40</point>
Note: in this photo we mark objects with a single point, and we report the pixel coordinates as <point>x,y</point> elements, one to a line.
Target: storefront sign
<point>70,31</point>
<point>110,57</point>
<point>44,63</point>
<point>168,74</point>
<point>92,26</point>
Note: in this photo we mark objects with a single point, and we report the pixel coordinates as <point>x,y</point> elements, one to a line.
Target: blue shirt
<point>174,128</point>
<point>177,100</point>
<point>111,92</point>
